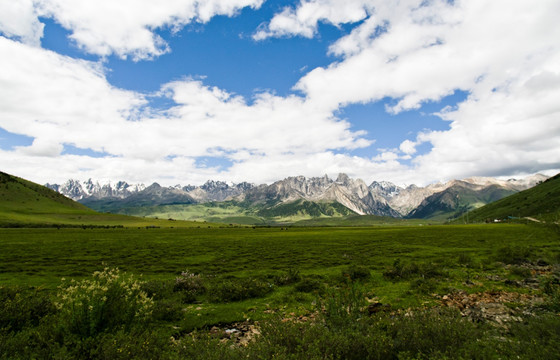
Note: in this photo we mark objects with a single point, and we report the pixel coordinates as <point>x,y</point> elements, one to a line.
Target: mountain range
<point>297,195</point>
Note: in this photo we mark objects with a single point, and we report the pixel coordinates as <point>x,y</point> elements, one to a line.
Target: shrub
<point>400,271</point>
<point>342,307</point>
<point>423,285</point>
<point>190,284</point>
<point>308,285</point>
<point>520,271</point>
<point>289,277</point>
<point>356,272</point>
<point>158,289</point>
<point>110,301</point>
<point>513,255</point>
<point>20,307</point>
<point>239,289</point>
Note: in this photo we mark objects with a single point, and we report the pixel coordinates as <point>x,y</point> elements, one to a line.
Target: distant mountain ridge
<point>540,203</point>
<point>353,194</point>
<point>383,198</point>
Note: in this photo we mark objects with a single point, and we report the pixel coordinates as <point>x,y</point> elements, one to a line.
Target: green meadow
<point>203,281</point>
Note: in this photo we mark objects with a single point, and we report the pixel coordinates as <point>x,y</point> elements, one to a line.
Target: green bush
<point>307,285</point>
<point>21,307</point>
<point>190,285</point>
<point>400,271</point>
<point>533,338</point>
<point>167,310</point>
<point>158,289</point>
<point>289,277</point>
<point>110,301</point>
<point>520,271</point>
<point>424,286</point>
<point>342,307</point>
<point>228,290</point>
<point>356,272</point>
<point>513,255</point>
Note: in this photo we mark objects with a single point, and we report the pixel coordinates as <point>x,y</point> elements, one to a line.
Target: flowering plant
<point>110,300</point>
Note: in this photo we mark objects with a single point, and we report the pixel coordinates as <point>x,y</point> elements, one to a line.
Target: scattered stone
<point>491,306</point>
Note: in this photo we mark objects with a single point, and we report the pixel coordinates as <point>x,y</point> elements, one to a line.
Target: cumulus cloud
<point>303,20</point>
<point>18,19</point>
<point>504,54</point>
<point>105,27</point>
<point>60,101</point>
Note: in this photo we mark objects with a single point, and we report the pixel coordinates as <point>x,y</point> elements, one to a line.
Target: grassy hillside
<point>24,203</point>
<point>223,212</point>
<point>232,212</point>
<point>541,202</point>
<point>456,200</point>
<point>304,208</point>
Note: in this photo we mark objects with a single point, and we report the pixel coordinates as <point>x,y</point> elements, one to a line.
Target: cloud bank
<point>504,54</point>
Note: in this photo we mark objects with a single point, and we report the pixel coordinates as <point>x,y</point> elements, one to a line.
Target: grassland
<point>397,290</point>
<point>299,213</point>
<point>267,276</point>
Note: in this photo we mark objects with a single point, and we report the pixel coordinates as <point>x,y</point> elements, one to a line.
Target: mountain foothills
<point>540,204</point>
<point>294,198</point>
<point>26,204</point>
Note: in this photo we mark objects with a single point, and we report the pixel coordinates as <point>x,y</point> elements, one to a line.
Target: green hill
<point>456,200</point>
<point>541,202</point>
<point>305,209</point>
<point>24,203</point>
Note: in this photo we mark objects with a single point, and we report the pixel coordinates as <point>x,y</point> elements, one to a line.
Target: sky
<point>183,91</point>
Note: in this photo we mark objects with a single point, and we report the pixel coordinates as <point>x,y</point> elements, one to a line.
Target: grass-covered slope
<point>541,202</point>
<point>24,203</point>
<point>305,209</point>
<point>456,200</point>
<point>233,212</point>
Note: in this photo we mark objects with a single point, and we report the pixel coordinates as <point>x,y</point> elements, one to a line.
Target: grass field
<point>260,275</point>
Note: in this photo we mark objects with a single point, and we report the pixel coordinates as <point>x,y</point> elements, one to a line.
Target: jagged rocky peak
<point>77,190</point>
<point>212,185</point>
<point>244,186</point>
<point>189,188</point>
<point>342,179</point>
<point>385,189</point>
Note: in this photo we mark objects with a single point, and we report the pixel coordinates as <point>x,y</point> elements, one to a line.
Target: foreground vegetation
<point>478,291</point>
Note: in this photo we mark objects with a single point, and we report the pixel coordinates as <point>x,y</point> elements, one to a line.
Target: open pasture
<point>41,256</point>
<point>308,286</point>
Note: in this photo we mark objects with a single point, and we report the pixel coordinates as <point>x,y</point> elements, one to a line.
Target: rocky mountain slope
<point>353,194</point>
<point>379,198</point>
<point>419,199</point>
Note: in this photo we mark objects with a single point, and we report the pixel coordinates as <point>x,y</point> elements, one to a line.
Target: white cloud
<point>303,20</point>
<point>61,101</point>
<point>504,54</point>
<point>408,147</point>
<point>104,27</point>
<point>18,19</point>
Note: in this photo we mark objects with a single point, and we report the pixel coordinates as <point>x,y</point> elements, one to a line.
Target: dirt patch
<point>498,307</point>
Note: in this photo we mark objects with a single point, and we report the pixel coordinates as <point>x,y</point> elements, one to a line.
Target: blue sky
<point>253,90</point>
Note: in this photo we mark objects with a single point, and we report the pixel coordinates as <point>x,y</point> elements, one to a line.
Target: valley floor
<point>408,292</point>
